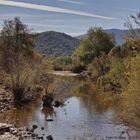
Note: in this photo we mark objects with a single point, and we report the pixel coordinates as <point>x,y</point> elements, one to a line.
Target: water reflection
<point>49,113</point>
<point>86,114</point>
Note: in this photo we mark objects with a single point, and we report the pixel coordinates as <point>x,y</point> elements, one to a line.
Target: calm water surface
<point>80,117</point>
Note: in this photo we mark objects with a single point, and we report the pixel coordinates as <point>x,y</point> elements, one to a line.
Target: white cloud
<point>71,1</point>
<point>11,15</point>
<point>52,9</point>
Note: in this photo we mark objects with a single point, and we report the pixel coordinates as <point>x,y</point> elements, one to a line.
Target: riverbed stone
<point>34,127</point>
<point>49,120</point>
<point>49,137</point>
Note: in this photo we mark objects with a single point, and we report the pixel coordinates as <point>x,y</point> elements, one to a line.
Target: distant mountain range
<point>54,44</point>
<point>119,35</point>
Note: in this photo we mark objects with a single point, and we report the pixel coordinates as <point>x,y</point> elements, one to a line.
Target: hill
<point>54,44</point>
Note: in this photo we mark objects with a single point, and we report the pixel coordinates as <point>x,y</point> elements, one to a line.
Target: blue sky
<point>73,17</point>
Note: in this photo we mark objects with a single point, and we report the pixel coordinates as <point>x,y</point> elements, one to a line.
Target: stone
<point>49,120</point>
<point>33,135</point>
<point>57,103</point>
<point>49,137</point>
<point>34,127</point>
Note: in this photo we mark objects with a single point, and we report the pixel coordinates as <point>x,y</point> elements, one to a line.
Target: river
<point>81,118</point>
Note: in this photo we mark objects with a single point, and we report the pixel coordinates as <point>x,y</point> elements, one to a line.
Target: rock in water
<point>34,127</point>
<point>58,103</point>
<point>49,120</point>
<point>47,100</point>
<point>49,137</point>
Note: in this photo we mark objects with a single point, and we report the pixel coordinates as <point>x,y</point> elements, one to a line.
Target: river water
<point>81,118</point>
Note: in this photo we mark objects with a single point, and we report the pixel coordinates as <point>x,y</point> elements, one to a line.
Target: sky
<point>73,17</point>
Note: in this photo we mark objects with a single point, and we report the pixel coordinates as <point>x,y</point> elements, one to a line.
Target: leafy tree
<point>100,40</point>
<point>96,43</point>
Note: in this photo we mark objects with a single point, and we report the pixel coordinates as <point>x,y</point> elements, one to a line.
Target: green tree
<point>96,43</point>
<point>61,63</point>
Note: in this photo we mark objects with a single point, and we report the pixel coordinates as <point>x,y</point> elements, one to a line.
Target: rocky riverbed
<point>5,100</point>
<point>10,132</point>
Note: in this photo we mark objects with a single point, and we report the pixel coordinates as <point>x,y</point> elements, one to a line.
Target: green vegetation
<point>130,112</point>
<point>62,63</point>
<point>93,46</point>
<point>113,68</point>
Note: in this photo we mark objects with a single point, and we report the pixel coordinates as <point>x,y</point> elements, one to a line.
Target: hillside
<point>54,44</point>
<point>119,35</point>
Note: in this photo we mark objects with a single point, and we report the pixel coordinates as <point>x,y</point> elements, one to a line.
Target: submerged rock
<point>49,120</point>
<point>34,127</point>
<point>49,137</point>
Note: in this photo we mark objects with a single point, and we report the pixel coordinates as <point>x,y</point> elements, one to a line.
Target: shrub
<point>130,112</point>
<point>99,66</point>
<point>18,57</point>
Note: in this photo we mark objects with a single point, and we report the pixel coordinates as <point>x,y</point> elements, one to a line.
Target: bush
<point>18,57</point>
<point>130,112</point>
<point>62,63</point>
<point>117,76</point>
<point>77,68</point>
<point>99,66</point>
